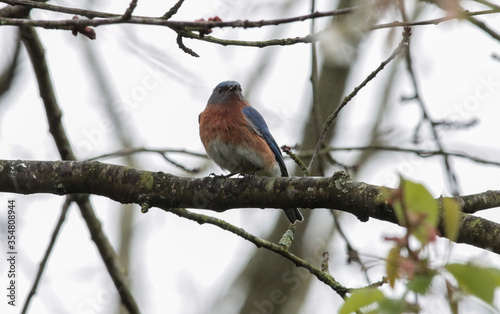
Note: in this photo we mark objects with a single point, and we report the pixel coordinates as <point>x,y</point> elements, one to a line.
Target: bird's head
<point>225,92</point>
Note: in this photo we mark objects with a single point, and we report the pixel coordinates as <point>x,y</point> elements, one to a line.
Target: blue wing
<point>260,127</point>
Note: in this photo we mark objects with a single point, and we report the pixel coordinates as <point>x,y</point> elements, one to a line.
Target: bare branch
<point>482,25</point>
<point>48,251</point>
<point>183,47</point>
<point>420,152</point>
<point>450,173</point>
<point>161,151</point>
<point>323,276</point>
<point>130,10</point>
<point>436,21</point>
<point>28,4</point>
<point>489,4</point>
<point>259,44</point>
<point>109,18</point>
<point>54,116</point>
<point>424,153</point>
<point>347,99</point>
<point>173,10</point>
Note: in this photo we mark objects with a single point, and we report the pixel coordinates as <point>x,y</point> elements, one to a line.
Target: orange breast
<point>233,144</point>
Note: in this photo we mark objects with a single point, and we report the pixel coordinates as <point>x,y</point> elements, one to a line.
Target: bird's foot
<point>221,176</point>
<point>245,176</point>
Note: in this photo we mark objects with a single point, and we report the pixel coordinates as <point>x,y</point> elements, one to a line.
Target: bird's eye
<point>220,91</point>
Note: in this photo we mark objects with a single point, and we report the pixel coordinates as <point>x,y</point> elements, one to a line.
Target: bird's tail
<point>293,215</point>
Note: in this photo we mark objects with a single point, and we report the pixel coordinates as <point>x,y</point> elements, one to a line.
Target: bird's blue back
<point>260,127</point>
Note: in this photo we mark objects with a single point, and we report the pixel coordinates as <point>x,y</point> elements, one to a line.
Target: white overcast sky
<point>177,265</point>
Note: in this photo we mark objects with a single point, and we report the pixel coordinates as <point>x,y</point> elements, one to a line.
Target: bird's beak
<point>233,87</point>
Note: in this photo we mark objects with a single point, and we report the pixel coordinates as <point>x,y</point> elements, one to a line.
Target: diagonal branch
<point>173,10</point>
<point>347,99</point>
<point>157,189</point>
<point>54,116</point>
<point>48,251</point>
<point>259,242</point>
<point>130,10</point>
<point>450,173</point>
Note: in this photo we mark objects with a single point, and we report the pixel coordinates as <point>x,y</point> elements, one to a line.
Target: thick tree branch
<point>157,189</point>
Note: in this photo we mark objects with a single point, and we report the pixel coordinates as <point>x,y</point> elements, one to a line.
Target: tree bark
<point>158,189</point>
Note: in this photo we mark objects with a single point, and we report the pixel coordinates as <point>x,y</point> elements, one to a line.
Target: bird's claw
<point>221,176</point>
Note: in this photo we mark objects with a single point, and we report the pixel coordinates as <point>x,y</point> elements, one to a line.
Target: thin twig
<point>258,43</point>
<point>173,10</point>
<point>352,253</point>
<point>420,152</point>
<point>183,47</point>
<point>435,21</point>
<point>489,4</point>
<point>101,18</point>
<point>316,119</point>
<point>259,242</point>
<point>130,10</point>
<point>333,116</point>
<point>56,8</point>
<point>107,253</point>
<point>452,179</point>
<point>9,73</point>
<point>48,251</point>
<point>425,153</point>
<point>180,166</point>
<point>287,150</point>
<point>163,151</point>
<point>482,25</point>
<point>109,18</point>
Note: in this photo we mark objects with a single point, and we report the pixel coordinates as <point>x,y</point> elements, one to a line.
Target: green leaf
<point>392,265</point>
<point>421,282</point>
<point>392,306</point>
<point>420,203</point>
<point>452,216</point>
<point>398,210</point>
<point>360,298</point>
<point>476,280</point>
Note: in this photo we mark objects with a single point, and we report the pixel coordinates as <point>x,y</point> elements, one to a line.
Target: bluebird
<point>237,138</point>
